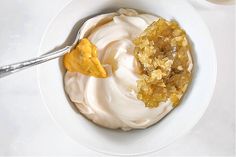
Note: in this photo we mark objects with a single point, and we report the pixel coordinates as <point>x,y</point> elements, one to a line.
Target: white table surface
<point>26,127</point>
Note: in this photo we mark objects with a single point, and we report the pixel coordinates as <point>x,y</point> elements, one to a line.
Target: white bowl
<point>62,31</point>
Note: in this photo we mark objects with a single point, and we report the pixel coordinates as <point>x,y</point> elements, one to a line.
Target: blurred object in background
<point>222,2</point>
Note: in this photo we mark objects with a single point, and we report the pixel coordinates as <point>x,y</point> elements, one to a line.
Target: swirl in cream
<point>112,102</point>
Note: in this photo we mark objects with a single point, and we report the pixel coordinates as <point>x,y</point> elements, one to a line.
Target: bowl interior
<point>62,31</point>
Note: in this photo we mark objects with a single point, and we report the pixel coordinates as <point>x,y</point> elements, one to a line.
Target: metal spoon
<point>12,68</point>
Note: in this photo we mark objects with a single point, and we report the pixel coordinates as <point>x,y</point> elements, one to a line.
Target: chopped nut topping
<point>162,54</point>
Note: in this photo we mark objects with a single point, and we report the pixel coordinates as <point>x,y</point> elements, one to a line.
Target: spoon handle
<point>12,68</point>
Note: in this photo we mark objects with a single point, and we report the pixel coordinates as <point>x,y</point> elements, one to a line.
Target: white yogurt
<point>112,102</point>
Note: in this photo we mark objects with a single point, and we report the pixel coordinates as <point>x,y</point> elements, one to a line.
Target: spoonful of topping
<point>83,59</point>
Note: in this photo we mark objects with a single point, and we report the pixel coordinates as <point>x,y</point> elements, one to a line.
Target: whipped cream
<point>112,102</point>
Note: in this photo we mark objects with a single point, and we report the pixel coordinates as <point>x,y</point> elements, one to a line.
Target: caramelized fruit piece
<point>162,54</point>
<point>84,59</point>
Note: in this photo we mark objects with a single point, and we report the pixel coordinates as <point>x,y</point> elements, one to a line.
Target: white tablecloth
<point>25,125</point>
